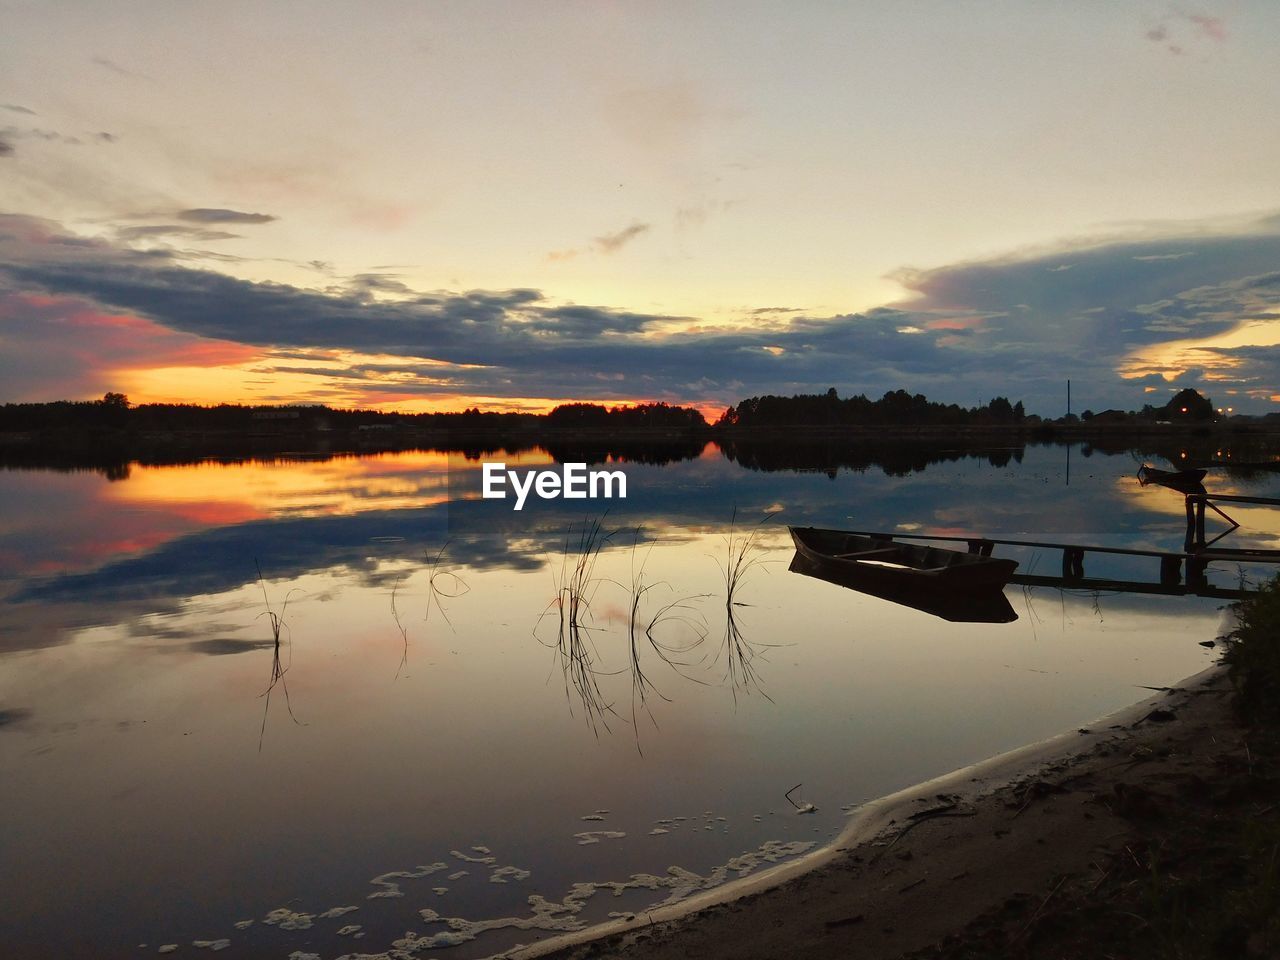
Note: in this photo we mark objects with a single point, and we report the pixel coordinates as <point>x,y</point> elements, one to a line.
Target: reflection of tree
<point>897,459</point>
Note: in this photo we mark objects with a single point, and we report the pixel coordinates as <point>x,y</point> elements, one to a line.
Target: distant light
<point>1184,409</point>
<point>1183,456</point>
<point>1229,409</point>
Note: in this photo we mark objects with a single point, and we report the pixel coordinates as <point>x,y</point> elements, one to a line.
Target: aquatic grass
<point>404,631</point>
<point>441,585</point>
<point>642,634</point>
<point>743,555</point>
<point>278,667</point>
<point>576,585</point>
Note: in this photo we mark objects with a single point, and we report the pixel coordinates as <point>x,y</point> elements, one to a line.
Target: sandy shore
<point>921,865</point>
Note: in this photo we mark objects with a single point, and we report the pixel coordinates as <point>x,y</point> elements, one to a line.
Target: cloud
<point>6,148</point>
<point>15,108</point>
<point>606,244</point>
<point>219,215</point>
<point>58,346</point>
<point>1215,28</point>
<point>613,242</point>
<point>173,229</point>
<point>696,214</point>
<point>1006,325</point>
<point>1167,32</point>
<point>120,71</point>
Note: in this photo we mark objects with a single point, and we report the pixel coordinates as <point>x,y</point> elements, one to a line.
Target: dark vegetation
<point>823,432</point>
<point>897,407</point>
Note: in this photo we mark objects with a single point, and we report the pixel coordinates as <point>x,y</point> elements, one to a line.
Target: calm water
<point>426,756</point>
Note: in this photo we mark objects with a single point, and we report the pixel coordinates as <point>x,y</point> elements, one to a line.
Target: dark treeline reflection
<point>1241,457</point>
<point>829,456</point>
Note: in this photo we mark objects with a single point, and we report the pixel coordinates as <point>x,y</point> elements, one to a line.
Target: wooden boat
<point>881,558</point>
<point>1188,481</point>
<point>978,604</point>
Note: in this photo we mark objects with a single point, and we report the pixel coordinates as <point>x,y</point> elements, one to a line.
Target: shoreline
<point>962,810</point>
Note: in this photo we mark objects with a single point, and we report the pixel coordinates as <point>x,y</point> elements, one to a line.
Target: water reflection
<point>969,606</point>
<point>136,649</point>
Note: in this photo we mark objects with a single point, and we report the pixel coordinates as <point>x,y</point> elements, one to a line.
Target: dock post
<point>1072,563</point>
<point>1196,579</point>
<point>1170,570</point>
<point>1200,523</point>
<point>1190,543</point>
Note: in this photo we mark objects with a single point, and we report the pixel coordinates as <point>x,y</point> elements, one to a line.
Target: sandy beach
<point>970,862</point>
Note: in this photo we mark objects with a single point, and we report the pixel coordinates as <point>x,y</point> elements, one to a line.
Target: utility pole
<point>1068,398</point>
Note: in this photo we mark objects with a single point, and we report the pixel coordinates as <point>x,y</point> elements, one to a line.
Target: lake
<point>428,762</point>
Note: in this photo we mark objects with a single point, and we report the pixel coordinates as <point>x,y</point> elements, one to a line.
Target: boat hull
<point>887,561</point>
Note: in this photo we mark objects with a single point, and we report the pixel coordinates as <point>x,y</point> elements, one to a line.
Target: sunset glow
<point>437,207</point>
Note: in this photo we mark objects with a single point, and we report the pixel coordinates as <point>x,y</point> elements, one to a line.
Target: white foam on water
<point>392,889</point>
<point>439,891</point>
<point>243,924</point>
<point>501,874</point>
<point>303,955</point>
<point>349,929</point>
<point>457,874</point>
<point>479,849</point>
<point>470,859</point>
<point>335,912</point>
<point>595,836</point>
<point>286,919</point>
<point>214,945</point>
<point>593,816</point>
<point>656,831</point>
<point>168,948</point>
<point>562,916</point>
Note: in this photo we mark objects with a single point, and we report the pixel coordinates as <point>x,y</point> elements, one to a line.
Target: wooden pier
<point>1181,573</point>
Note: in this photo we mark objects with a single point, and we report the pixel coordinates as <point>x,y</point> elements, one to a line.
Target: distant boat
<point>880,558</point>
<point>979,604</point>
<point>1187,481</point>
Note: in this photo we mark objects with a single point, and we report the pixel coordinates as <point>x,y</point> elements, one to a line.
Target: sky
<point>431,206</point>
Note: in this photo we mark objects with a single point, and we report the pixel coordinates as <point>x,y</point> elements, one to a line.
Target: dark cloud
<point>219,215</point>
<point>6,148</point>
<point>1008,326</point>
<point>15,108</point>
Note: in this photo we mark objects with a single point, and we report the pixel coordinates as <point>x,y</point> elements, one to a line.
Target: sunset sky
<point>425,205</point>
